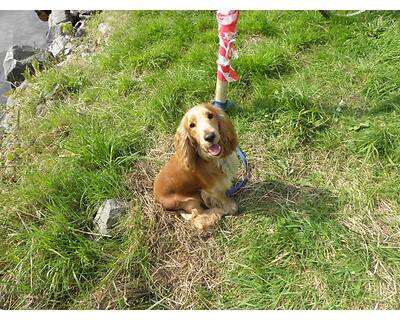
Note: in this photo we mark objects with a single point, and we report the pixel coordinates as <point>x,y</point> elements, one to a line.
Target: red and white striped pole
<point>227,22</point>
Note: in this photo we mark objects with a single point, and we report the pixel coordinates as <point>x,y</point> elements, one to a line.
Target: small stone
<point>108,214</point>
<point>57,46</point>
<point>7,122</point>
<point>23,86</point>
<point>104,29</point>
<point>81,29</point>
<point>11,102</point>
<point>9,173</point>
<point>41,110</point>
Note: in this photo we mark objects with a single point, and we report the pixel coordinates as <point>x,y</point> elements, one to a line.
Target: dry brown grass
<point>182,260</point>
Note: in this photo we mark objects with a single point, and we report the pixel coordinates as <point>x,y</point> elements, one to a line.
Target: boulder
<point>57,21</point>
<point>59,16</point>
<point>20,58</point>
<point>108,214</point>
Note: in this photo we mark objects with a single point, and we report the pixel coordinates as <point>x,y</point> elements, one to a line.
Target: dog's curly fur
<point>200,172</point>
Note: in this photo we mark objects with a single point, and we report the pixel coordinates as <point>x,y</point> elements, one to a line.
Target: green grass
<point>317,112</point>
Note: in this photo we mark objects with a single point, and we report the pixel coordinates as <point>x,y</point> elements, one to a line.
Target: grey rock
<point>104,29</point>
<point>81,29</point>
<point>74,13</point>
<point>11,102</point>
<point>41,110</point>
<point>56,19</point>
<point>58,46</point>
<point>87,12</point>
<point>7,122</point>
<point>3,101</point>
<point>20,58</point>
<point>53,33</point>
<point>24,85</point>
<point>68,48</point>
<point>108,214</point>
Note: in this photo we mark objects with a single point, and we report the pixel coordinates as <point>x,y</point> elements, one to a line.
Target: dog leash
<point>241,183</point>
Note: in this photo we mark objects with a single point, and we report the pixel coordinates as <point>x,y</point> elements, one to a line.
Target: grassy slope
<point>317,113</point>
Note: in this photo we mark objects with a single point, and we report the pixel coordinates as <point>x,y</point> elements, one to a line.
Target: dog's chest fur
<point>229,166</point>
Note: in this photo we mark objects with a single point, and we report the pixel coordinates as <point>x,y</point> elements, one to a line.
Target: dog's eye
<point>210,116</point>
<point>192,125</point>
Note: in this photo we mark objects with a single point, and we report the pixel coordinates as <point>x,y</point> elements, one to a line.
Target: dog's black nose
<point>209,137</point>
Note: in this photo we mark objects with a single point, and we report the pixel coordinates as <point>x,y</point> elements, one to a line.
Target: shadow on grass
<point>390,104</point>
<point>270,197</point>
<point>386,105</point>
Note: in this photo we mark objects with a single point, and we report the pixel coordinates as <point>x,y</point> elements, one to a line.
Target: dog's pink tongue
<point>215,150</point>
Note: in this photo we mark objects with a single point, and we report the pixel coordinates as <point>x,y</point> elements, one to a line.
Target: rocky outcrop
<point>63,25</point>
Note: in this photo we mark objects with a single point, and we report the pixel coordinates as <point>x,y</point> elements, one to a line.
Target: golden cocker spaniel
<point>201,171</point>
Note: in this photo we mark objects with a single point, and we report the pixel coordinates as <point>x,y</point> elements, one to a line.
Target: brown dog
<point>200,172</point>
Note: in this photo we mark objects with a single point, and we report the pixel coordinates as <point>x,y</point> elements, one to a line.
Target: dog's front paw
<point>207,221</point>
<point>189,216</point>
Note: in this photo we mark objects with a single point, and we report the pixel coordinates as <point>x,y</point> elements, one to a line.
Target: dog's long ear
<point>184,145</point>
<point>228,140</point>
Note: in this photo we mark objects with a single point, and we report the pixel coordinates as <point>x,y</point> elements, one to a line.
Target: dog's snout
<point>210,137</point>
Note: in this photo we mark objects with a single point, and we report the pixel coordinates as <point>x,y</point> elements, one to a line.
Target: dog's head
<point>206,132</point>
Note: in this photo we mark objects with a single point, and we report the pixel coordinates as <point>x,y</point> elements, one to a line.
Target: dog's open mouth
<point>215,150</point>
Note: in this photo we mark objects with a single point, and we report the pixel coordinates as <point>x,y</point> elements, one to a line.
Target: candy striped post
<point>227,22</point>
